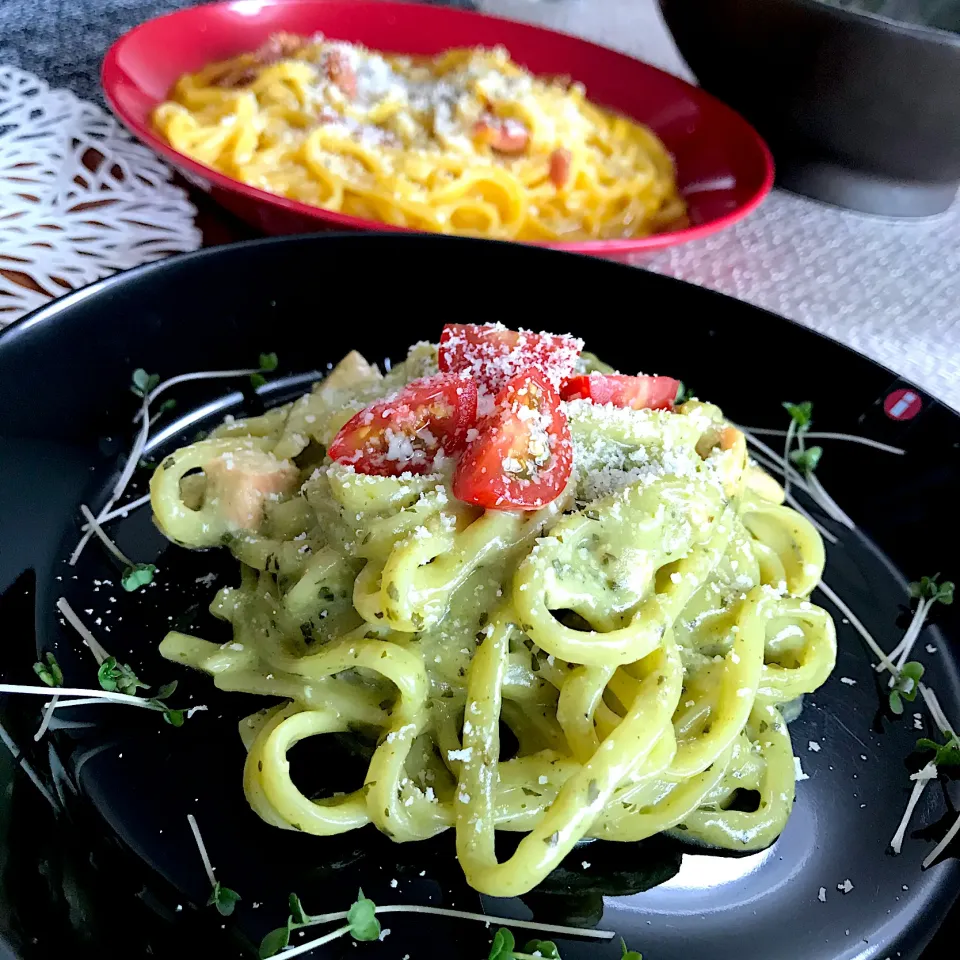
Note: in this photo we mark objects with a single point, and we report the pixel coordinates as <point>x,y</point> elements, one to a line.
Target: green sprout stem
<point>93,524</point>
<point>787,444</point>
<point>85,696</point>
<point>221,897</point>
<point>830,435</point>
<point>268,363</point>
<point>921,778</point>
<point>121,511</point>
<point>466,915</point>
<point>885,662</point>
<point>313,944</point>
<point>99,653</point>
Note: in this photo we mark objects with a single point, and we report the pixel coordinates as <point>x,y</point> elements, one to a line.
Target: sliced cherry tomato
<point>407,430</point>
<point>492,354</point>
<point>522,457</point>
<point>640,393</point>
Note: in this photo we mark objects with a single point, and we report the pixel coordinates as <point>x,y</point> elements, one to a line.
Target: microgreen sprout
<point>221,897</point>
<point>906,685</point>
<point>118,683</point>
<point>362,924</point>
<point>798,466</point>
<point>628,954</point>
<point>268,363</point>
<point>167,405</point>
<point>946,754</point>
<point>806,460</point>
<point>119,677</point>
<point>926,592</point>
<point>543,948</point>
<point>503,948</point>
<point>362,917</point>
<point>138,575</point>
<point>143,382</point>
<point>48,670</point>
<point>801,414</point>
<point>928,589</point>
<point>684,393</point>
<point>135,575</point>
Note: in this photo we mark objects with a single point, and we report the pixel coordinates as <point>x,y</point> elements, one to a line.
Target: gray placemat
<point>63,41</point>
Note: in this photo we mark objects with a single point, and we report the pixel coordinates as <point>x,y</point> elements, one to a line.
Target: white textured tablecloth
<point>890,289</point>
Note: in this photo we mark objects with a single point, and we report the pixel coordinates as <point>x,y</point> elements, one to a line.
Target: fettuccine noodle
<point>636,636</point>
<point>466,142</point>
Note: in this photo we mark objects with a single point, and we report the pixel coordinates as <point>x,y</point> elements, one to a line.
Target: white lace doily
<point>79,198</point>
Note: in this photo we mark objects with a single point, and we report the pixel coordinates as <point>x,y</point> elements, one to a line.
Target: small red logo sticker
<point>902,405</point>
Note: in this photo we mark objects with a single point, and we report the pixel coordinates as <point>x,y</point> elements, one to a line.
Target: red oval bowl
<point>724,169</point>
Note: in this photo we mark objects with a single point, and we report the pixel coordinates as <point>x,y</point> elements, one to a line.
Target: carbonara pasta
<point>466,142</point>
<point>543,597</point>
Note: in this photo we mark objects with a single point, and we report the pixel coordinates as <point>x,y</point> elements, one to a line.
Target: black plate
<point>117,859</point>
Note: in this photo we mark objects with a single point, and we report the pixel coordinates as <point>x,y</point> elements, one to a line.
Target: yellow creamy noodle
<point>403,141</point>
<point>636,635</point>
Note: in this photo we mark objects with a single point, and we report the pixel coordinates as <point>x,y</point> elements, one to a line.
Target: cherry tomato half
<point>522,457</point>
<point>492,354</point>
<point>640,393</point>
<point>405,431</point>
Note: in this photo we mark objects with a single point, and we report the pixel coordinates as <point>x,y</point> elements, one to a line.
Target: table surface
<point>889,289</point>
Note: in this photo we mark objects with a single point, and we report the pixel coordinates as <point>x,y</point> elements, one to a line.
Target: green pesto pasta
<point>636,634</point>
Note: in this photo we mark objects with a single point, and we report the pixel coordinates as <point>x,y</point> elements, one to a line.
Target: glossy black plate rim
<point>21,330</point>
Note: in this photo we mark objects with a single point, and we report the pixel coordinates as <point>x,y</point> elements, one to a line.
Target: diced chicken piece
<point>350,372</point>
<point>502,135</point>
<point>239,483</point>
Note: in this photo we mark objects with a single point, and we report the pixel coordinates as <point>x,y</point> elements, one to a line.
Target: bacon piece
<point>341,73</point>
<point>235,76</point>
<point>279,46</point>
<point>503,135</point>
<point>560,161</point>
